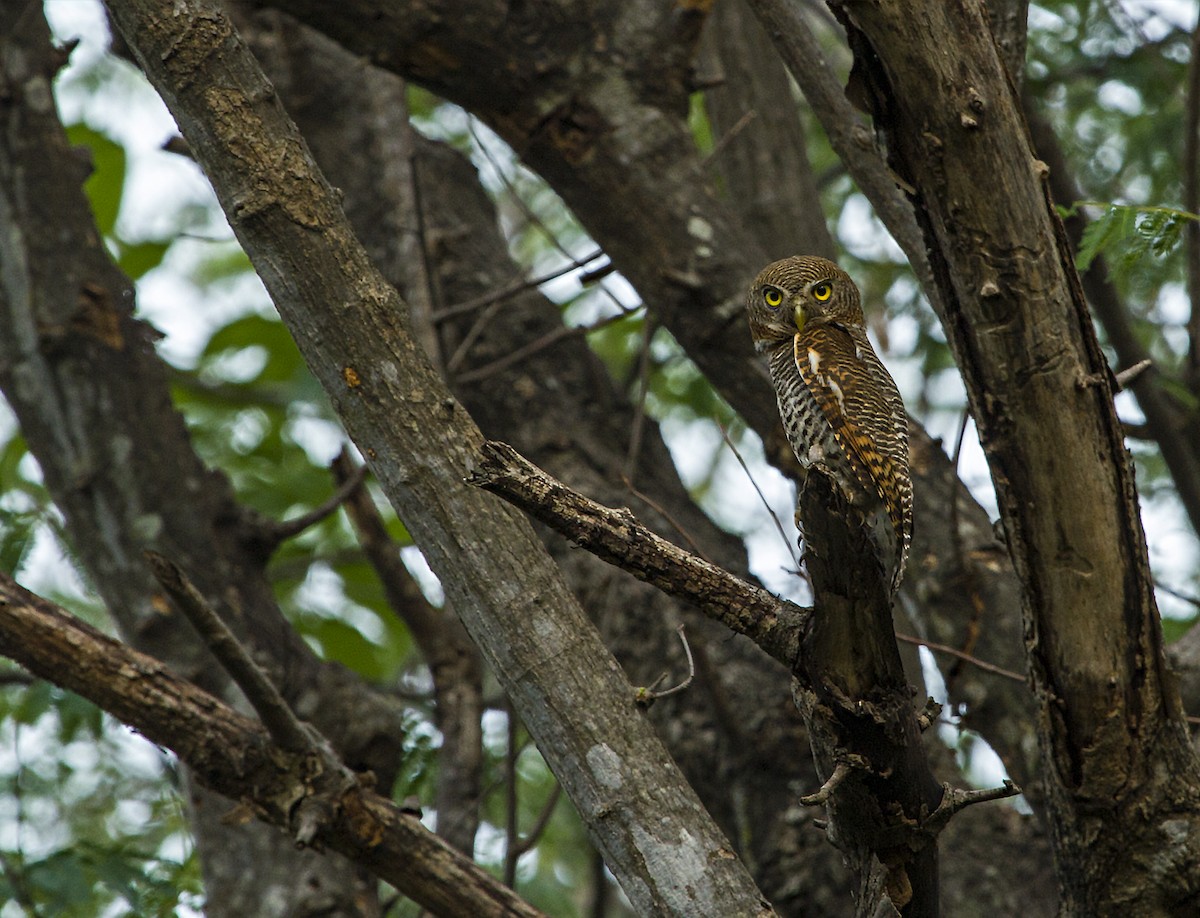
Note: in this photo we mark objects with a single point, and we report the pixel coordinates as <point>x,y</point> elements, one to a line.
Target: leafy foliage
<point>1107,78</point>
<point>1127,234</point>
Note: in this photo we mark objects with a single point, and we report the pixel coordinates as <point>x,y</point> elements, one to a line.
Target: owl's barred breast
<point>840,407</point>
<point>803,420</point>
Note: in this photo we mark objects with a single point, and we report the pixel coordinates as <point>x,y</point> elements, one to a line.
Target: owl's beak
<point>799,315</point>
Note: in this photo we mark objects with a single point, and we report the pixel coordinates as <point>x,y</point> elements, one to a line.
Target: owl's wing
<point>859,399</point>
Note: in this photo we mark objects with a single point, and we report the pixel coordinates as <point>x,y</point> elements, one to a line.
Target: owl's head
<point>794,292</point>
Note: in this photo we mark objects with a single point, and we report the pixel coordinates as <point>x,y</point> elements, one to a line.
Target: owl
<point>840,407</point>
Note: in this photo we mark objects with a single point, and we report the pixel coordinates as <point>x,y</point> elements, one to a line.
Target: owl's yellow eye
<point>772,297</point>
<point>822,291</point>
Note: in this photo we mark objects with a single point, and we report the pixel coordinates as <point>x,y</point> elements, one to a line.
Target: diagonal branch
<point>283,725</point>
<point>234,756</point>
<point>616,537</point>
<point>356,335</point>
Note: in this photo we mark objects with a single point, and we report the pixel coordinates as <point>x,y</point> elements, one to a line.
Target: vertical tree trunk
<point>1120,775</point>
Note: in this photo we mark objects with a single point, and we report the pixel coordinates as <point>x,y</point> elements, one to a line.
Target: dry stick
<point>646,696</point>
<point>478,327</point>
<point>738,126</point>
<point>539,344</point>
<point>286,529</point>
<point>663,512</point>
<point>526,844</point>
<point>961,655</point>
<point>840,774</point>
<point>955,799</point>
<point>666,515</point>
<point>521,285</point>
<point>1180,595</point>
<point>1128,376</point>
<point>757,490</point>
<point>283,725</point>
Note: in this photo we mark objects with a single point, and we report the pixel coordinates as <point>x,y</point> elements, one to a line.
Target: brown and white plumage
<point>840,407</point>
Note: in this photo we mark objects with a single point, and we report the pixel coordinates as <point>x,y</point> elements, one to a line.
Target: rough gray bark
<point>355,335</point>
<point>309,792</point>
<point>93,402</point>
<point>354,119</point>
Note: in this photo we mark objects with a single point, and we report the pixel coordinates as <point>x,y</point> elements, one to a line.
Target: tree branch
<point>454,667</point>
<point>283,725</point>
<point>355,335</point>
<point>304,792</point>
<point>616,537</point>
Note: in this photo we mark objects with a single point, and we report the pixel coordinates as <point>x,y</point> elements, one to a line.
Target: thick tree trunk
<point>355,334</point>
<point>93,402</point>
<point>1122,783</point>
<point>308,791</point>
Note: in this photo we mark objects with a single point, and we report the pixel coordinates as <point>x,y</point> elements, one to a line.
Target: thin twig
<point>478,327</point>
<point>738,126</point>
<point>955,799</point>
<point>840,774</point>
<point>1185,597</point>
<point>531,838</point>
<point>540,344</point>
<point>283,725</point>
<point>639,406</point>
<point>791,549</point>
<point>521,285</point>
<point>955,535</point>
<point>647,696</point>
<point>598,908</point>
<point>961,655</point>
<point>287,529</point>
<point>662,511</point>
<point>1127,377</point>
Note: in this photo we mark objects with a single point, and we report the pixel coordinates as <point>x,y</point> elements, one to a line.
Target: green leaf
<point>35,701</point>
<point>699,123</point>
<point>1100,234</point>
<point>344,644</point>
<point>16,539</point>
<point>1175,628</point>
<point>227,261</point>
<point>60,881</point>
<point>283,362</point>
<point>138,259</point>
<point>106,185</point>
